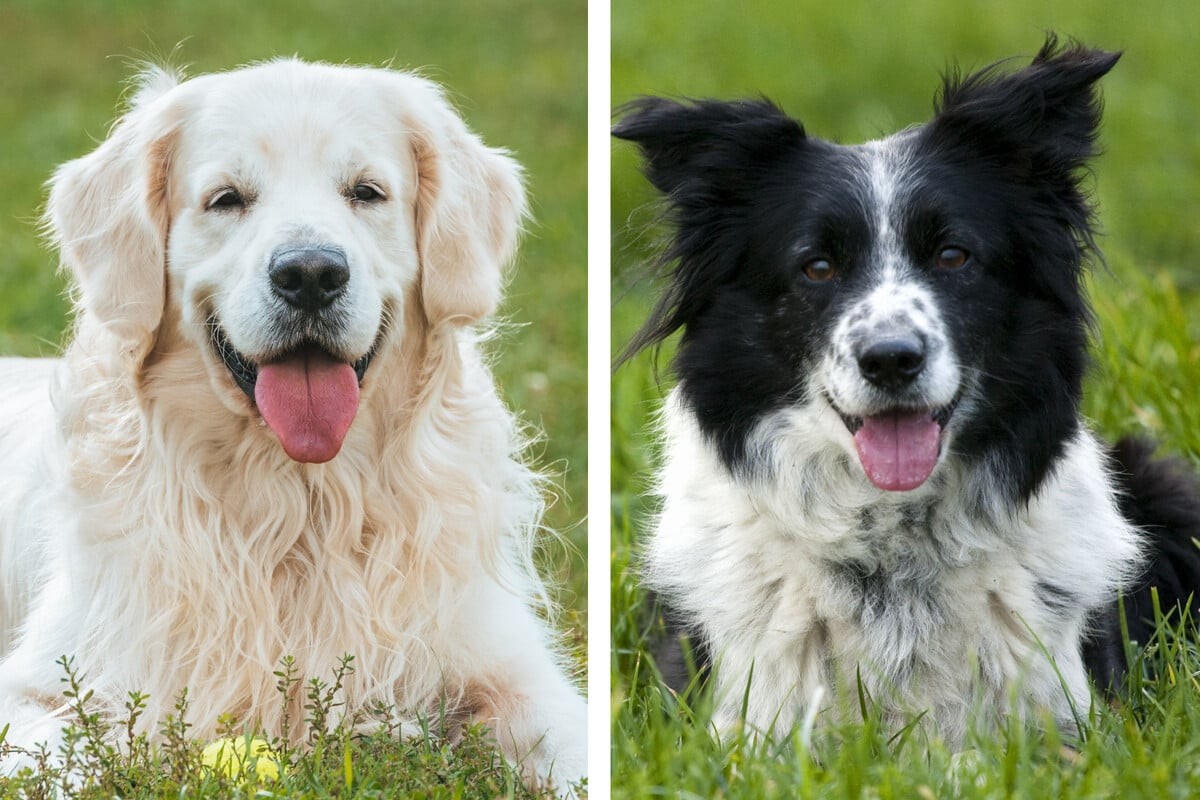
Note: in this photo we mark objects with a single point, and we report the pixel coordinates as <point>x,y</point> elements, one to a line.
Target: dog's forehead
<point>292,108</point>
<point>872,179</point>
<point>857,192</point>
<point>885,168</point>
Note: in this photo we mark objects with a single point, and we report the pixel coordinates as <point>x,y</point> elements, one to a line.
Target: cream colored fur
<point>152,527</point>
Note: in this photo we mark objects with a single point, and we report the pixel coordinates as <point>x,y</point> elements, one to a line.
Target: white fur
<point>759,561</point>
<point>904,308</point>
<point>152,527</point>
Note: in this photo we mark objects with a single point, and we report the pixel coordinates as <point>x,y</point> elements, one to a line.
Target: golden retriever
<point>273,432</point>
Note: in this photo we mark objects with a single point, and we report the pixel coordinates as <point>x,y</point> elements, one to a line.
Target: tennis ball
<point>232,756</point>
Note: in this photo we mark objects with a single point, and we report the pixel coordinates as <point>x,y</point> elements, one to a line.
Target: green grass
<point>851,75</point>
<point>515,68</point>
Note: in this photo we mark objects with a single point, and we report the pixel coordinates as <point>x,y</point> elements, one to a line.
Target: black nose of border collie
<point>892,362</point>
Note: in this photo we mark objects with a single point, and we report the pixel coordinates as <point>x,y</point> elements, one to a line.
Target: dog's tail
<point>1161,496</point>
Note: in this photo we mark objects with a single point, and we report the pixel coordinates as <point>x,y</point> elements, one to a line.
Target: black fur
<point>1162,497</point>
<point>682,656</point>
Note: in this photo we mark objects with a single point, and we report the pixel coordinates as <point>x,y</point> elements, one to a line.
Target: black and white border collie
<point>875,467</point>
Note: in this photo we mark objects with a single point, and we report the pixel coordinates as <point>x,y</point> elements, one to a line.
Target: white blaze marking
<point>886,165</point>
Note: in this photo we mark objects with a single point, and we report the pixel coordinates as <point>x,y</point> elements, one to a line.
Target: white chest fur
<point>805,580</point>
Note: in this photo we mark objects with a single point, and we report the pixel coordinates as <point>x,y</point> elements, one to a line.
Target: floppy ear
<point>470,205</point>
<point>108,215</point>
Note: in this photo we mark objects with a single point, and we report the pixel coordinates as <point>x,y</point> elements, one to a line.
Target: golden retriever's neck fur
<point>280,539</point>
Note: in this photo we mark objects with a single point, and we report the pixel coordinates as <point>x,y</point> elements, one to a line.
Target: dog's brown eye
<point>819,269</point>
<point>951,258</point>
<point>225,199</point>
<point>366,193</point>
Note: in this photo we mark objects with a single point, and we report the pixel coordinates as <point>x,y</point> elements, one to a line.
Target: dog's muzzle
<point>899,441</point>
<point>305,388</point>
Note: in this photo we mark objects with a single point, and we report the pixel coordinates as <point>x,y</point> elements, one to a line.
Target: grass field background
<point>516,69</point>
<point>851,72</point>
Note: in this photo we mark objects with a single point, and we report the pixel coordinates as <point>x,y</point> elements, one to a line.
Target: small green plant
<point>101,757</point>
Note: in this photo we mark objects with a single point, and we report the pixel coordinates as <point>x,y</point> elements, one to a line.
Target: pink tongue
<point>898,449</point>
<point>309,400</point>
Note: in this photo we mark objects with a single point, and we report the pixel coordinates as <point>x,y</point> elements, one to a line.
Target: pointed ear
<point>689,147</point>
<point>108,215</point>
<point>470,206</point>
<point>1038,123</point>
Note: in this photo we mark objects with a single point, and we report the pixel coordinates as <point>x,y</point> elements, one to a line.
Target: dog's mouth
<point>898,447</point>
<point>306,395</point>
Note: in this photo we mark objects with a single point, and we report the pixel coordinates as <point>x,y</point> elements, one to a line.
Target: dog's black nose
<point>309,278</point>
<point>892,362</point>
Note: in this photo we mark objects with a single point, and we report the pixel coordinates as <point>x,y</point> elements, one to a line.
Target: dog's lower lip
<point>942,415</point>
<point>245,372</point>
<point>851,422</point>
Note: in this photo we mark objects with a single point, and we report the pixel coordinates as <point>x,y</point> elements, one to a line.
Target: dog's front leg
<point>517,686</point>
<point>771,681</point>
<point>33,721</point>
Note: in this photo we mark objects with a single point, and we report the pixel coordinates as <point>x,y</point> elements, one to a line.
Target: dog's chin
<point>898,446</point>
<point>307,395</point>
